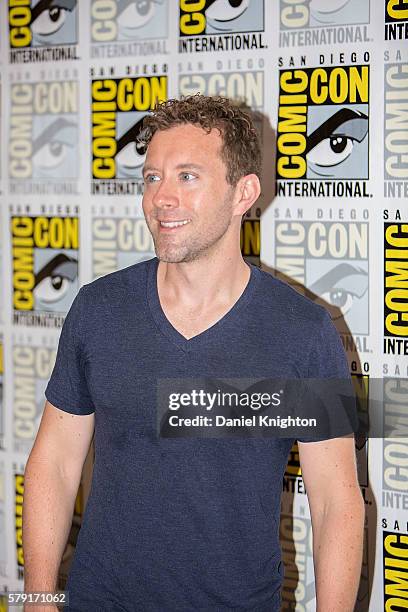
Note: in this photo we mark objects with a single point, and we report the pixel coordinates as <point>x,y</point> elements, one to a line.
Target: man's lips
<point>172,225</point>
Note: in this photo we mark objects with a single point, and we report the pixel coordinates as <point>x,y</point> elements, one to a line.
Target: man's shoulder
<point>119,283</point>
<point>289,302</point>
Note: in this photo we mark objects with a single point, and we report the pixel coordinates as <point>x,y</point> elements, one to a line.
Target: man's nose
<point>165,195</point>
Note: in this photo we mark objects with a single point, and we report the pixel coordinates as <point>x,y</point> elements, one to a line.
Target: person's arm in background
<point>51,482</point>
<point>337,512</point>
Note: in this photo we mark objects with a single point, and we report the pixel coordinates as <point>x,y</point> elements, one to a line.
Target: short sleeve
<point>329,386</point>
<point>67,388</point>
<point>327,357</point>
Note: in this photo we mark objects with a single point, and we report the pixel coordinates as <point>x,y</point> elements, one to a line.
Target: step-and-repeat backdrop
<point>329,82</point>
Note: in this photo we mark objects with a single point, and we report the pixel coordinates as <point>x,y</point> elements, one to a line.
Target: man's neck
<point>201,284</point>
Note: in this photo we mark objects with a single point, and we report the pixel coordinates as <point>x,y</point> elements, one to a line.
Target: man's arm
<point>51,482</point>
<point>337,512</point>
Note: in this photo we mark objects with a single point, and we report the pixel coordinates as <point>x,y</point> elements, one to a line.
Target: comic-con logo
<point>330,259</point>
<point>45,267</point>
<point>395,446</point>
<point>395,571</point>
<point>323,130</point>
<point>318,13</point>
<point>43,137</point>
<point>219,23</point>
<point>396,19</point>
<point>118,109</point>
<point>116,20</point>
<point>396,288</point>
<point>395,130</point>
<point>36,26</point>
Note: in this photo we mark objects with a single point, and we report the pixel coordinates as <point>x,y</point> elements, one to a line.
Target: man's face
<point>187,201</point>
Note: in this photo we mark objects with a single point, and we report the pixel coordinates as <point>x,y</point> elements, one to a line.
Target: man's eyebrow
<point>149,169</point>
<point>183,166</point>
<point>189,165</point>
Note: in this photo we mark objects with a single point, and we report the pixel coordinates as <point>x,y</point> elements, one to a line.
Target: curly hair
<point>240,151</point>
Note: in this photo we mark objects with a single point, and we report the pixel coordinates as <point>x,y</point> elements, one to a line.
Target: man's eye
<point>151,178</point>
<point>187,176</point>
<point>49,21</point>
<point>331,151</point>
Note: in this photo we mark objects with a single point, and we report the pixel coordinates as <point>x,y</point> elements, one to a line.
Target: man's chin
<point>170,256</point>
<point>173,256</point>
<point>173,259</point>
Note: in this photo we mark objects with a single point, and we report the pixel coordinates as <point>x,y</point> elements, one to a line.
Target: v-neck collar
<point>171,332</point>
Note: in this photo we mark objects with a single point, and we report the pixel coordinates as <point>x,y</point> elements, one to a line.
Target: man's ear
<point>247,192</point>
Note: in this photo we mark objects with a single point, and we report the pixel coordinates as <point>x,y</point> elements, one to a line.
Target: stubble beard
<point>194,247</point>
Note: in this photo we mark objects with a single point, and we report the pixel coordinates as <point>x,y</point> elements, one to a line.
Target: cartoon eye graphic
<point>327,13</point>
<point>339,298</point>
<point>130,152</point>
<point>50,155</point>
<point>53,281</point>
<point>331,151</point>
<point>52,289</point>
<point>49,21</point>
<point>322,6</point>
<point>131,156</point>
<point>332,142</point>
<point>48,16</point>
<point>136,14</point>
<point>339,288</point>
<point>50,147</point>
<point>226,10</point>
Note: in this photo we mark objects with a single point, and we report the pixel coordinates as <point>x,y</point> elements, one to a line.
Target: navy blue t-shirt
<point>180,524</point>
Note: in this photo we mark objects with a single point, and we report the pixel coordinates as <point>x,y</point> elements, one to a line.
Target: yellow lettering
<point>19,20</point>
<point>394,9</point>
<point>103,168</point>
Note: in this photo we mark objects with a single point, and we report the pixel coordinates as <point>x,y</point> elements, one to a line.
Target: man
<point>189,523</point>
